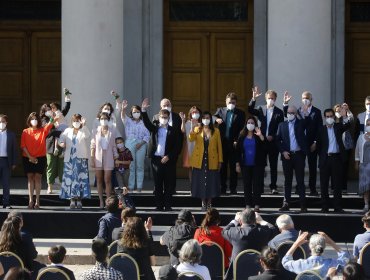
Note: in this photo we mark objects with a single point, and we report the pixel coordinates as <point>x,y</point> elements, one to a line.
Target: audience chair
<point>52,273</point>
<point>126,265</point>
<point>246,264</point>
<point>308,275</point>
<point>213,259</point>
<point>189,275</point>
<point>365,259</point>
<point>285,246</point>
<point>112,248</point>
<point>9,260</point>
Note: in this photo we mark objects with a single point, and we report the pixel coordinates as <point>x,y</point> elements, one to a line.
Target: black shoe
<point>159,209</point>
<point>7,207</point>
<point>285,207</point>
<point>339,210</point>
<point>314,193</point>
<point>325,210</point>
<point>168,209</point>
<point>223,191</point>
<point>233,192</point>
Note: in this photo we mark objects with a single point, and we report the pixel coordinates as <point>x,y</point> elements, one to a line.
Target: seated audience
<point>269,261</point>
<point>101,270</point>
<point>351,271</point>
<point>18,273</point>
<point>125,215</point>
<point>109,221</point>
<point>211,231</point>
<point>190,255</point>
<point>167,272</point>
<point>56,256</point>
<point>178,234</point>
<point>316,261</point>
<point>136,241</point>
<point>287,233</point>
<point>362,239</point>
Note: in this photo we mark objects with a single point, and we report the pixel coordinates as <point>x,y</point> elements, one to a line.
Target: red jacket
<point>215,236</point>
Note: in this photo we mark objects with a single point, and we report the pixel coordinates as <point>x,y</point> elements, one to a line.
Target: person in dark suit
<point>8,158</point>
<point>231,121</point>
<point>270,117</point>
<point>110,220</point>
<point>332,155</point>
<point>292,145</point>
<point>125,215</point>
<point>164,152</point>
<point>57,255</point>
<point>311,133</point>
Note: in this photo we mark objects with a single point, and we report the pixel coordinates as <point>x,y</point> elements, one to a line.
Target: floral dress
<point>76,183</point>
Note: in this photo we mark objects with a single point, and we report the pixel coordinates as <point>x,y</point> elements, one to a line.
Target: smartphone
<point>339,268</point>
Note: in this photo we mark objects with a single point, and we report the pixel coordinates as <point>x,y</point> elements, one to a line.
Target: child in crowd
<point>122,163</point>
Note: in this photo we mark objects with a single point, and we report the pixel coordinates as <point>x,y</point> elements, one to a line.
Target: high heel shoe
<point>36,206</point>
<point>30,205</point>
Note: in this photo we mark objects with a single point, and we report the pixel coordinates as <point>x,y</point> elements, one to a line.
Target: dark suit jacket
<point>322,141</point>
<point>172,140</point>
<point>260,113</point>
<point>269,275</point>
<point>66,270</point>
<point>315,123</point>
<point>283,139</point>
<point>27,251</point>
<point>11,148</point>
<point>259,159</point>
<point>237,123</point>
<point>117,233</point>
<point>107,223</point>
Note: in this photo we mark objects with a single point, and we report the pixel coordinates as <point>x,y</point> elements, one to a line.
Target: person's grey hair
<point>317,244</point>
<point>248,217</point>
<point>292,108</point>
<point>284,222</point>
<point>367,98</point>
<point>309,94</point>
<point>190,252</point>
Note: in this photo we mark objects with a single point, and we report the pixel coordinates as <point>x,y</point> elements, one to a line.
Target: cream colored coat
<point>82,145</point>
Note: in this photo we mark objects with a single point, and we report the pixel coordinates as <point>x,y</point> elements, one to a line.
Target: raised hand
<point>148,224</point>
<point>83,121</point>
<point>182,116</point>
<point>255,93</point>
<point>343,112</point>
<point>124,104</point>
<point>287,97</point>
<point>145,104</point>
<point>114,94</point>
<point>66,91</point>
<point>258,131</point>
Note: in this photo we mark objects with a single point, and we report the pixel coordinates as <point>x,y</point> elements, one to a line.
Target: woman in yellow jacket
<point>205,160</point>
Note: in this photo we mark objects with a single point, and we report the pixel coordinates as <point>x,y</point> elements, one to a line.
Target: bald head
<point>292,110</point>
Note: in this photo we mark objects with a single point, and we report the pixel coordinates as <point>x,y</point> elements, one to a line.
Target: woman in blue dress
<point>75,184</point>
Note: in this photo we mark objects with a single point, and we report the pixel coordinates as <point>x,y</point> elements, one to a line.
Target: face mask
<point>195,116</point>
<point>368,108</point>
<point>76,125</point>
<point>106,111</point>
<point>250,126</point>
<point>163,121</point>
<point>337,115</point>
<point>270,102</point>
<point>34,122</point>
<point>103,122</point>
<point>306,102</point>
<point>49,113</point>
<point>290,117</point>
<point>329,121</point>
<point>2,126</point>
<point>367,129</point>
<point>230,106</point>
<point>167,108</point>
<point>120,146</point>
<point>206,121</point>
<point>136,115</point>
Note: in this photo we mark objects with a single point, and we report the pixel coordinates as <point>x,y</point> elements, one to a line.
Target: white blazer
<point>82,145</point>
<point>359,152</point>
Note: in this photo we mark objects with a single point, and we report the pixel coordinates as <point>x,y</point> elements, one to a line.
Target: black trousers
<point>332,168</point>
<point>296,163</point>
<point>272,152</point>
<point>252,181</point>
<point>229,161</point>
<point>164,178</point>
<point>312,170</point>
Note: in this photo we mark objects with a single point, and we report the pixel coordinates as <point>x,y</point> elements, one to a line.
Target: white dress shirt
<point>269,112</point>
<point>3,138</point>
<point>333,145</point>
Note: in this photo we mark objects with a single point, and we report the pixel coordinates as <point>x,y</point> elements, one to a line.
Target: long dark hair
<point>212,218</point>
<point>134,234</point>
<point>137,107</point>
<point>10,235</point>
<point>211,126</point>
<point>244,131</point>
<point>101,109</point>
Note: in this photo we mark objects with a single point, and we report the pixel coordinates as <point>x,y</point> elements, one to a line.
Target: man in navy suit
<point>8,157</point>
<point>270,117</point>
<point>293,148</point>
<point>311,134</point>
<point>231,121</point>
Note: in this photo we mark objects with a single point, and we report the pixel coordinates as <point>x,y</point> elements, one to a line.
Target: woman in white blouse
<point>137,138</point>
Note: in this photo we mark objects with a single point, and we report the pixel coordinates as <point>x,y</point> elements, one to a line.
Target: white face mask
<point>290,117</point>
<point>168,108</point>
<point>329,121</point>
<point>163,121</point>
<point>230,106</point>
<point>106,111</point>
<point>270,102</point>
<point>367,129</point>
<point>136,115</point>
<point>338,115</point>
<point>250,126</point>
<point>76,125</point>
<point>120,146</point>
<point>195,116</point>
<point>306,102</point>
<point>206,121</point>
<point>34,122</point>
<point>49,113</point>
<point>368,107</point>
<point>103,122</point>
<point>2,126</point>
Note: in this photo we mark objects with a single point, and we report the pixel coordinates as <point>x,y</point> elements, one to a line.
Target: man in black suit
<point>8,158</point>
<point>231,121</point>
<point>311,134</point>
<point>174,121</point>
<point>164,152</point>
<point>332,155</point>
<point>56,256</point>
<point>270,117</point>
<point>292,145</point>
